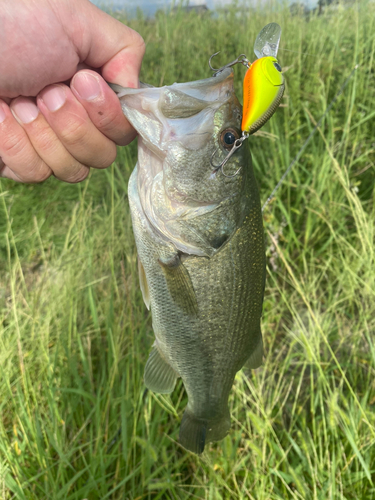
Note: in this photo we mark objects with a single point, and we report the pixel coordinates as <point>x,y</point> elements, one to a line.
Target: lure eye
<point>277,66</point>
<point>228,138</point>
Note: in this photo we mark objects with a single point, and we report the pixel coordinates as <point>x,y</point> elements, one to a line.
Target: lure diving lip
<point>263,85</point>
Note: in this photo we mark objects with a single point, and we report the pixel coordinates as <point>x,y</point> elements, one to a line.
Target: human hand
<point>48,127</point>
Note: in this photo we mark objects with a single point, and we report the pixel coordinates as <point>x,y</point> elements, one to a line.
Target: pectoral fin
<point>256,358</point>
<point>143,283</point>
<point>179,285</point>
<point>159,375</point>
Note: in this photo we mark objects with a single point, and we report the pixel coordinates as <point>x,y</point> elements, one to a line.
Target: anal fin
<point>179,285</point>
<point>255,359</point>
<point>159,375</point>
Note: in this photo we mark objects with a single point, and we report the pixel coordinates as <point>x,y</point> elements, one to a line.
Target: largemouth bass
<point>199,236</point>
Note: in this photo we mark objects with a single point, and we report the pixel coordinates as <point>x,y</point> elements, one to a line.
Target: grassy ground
<point>75,420</point>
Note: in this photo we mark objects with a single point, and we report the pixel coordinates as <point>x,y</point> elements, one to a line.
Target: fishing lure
<point>263,87</point>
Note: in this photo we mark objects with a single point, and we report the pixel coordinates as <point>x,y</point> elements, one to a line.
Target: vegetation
<point>75,420</point>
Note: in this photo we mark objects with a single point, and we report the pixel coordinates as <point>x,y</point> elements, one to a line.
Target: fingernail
<point>2,114</point>
<point>24,110</point>
<point>54,97</point>
<point>86,85</point>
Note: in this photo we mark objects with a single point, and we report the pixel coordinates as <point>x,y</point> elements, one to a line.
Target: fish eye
<point>228,137</point>
<point>277,66</point>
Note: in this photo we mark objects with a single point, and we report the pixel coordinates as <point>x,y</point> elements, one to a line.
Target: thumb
<point>106,43</point>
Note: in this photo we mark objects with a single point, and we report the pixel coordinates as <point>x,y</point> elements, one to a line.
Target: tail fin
<point>195,432</point>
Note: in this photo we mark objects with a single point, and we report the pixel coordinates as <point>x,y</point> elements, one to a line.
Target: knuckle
<point>107,159</point>
<point>45,136</point>
<point>75,132</point>
<point>100,157</point>
<point>141,45</point>
<point>78,176</point>
<point>46,142</point>
<point>36,171</point>
<point>139,42</point>
<point>42,175</point>
<point>13,145</point>
<point>18,153</point>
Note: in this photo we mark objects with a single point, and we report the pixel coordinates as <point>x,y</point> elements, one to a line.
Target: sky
<point>151,6</point>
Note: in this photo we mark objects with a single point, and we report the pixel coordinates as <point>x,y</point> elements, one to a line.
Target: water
<point>149,7</point>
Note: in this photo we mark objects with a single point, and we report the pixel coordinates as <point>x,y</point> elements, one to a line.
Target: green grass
<point>76,422</point>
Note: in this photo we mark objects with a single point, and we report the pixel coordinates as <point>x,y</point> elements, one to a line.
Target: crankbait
<point>263,86</point>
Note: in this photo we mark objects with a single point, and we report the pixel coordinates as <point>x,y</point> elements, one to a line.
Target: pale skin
<point>63,129</point>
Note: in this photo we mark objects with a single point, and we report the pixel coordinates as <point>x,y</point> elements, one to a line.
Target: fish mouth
<point>179,127</point>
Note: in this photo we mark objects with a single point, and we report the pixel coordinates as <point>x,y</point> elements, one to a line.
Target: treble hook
<point>236,145</point>
<point>241,59</point>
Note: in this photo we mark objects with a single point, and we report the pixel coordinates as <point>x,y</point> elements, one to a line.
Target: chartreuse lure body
<point>263,85</point>
<point>263,88</point>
